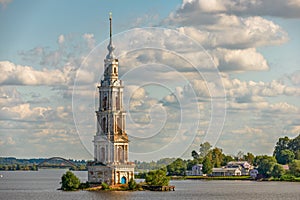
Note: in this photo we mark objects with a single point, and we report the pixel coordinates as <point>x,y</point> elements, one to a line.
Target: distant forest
<point>12,163</point>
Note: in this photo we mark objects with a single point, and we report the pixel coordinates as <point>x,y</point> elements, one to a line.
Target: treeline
<point>286,152</point>
<point>15,167</point>
<point>13,164</point>
<point>147,166</point>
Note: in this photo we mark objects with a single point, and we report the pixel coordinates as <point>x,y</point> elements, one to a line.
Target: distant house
<point>196,170</point>
<point>285,167</point>
<point>253,173</point>
<point>226,172</point>
<point>244,166</point>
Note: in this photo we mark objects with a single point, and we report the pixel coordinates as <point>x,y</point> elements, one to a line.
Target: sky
<point>222,71</point>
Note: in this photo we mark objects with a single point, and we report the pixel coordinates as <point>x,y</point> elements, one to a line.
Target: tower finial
<point>110,46</point>
<point>110,25</point>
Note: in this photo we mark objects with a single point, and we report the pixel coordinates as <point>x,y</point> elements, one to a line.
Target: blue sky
<point>48,46</point>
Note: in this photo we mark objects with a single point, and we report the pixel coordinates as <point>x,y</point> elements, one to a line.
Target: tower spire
<point>110,27</point>
<point>110,46</point>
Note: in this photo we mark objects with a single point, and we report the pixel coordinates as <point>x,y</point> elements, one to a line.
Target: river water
<point>43,184</point>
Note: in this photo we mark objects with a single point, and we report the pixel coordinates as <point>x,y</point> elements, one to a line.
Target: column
<point>124,159</point>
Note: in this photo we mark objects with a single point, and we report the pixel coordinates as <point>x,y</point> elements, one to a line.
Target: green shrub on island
<point>69,182</point>
<point>157,178</point>
<point>104,186</point>
<point>132,184</point>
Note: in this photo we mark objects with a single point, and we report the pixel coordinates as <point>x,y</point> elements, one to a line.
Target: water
<point>43,184</point>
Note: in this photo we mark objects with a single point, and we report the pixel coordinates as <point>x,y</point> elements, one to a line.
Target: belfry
<point>110,163</point>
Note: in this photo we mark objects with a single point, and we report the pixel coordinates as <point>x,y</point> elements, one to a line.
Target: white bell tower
<point>111,140</point>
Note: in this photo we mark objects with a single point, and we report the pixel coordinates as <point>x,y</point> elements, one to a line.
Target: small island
<point>155,181</point>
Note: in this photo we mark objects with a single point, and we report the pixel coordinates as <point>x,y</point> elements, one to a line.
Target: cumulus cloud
<point>235,32</point>
<point>237,88</point>
<point>24,112</point>
<point>279,8</point>
<point>13,74</point>
<point>240,60</point>
<point>89,38</point>
<point>248,130</point>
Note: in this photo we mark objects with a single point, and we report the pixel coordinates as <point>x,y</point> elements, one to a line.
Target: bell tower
<point>111,140</point>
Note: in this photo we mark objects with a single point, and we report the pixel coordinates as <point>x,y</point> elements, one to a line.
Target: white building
<point>197,170</point>
<point>244,166</point>
<point>226,172</point>
<point>111,163</point>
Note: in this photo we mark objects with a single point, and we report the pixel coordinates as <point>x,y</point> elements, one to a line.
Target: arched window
<point>104,103</point>
<point>115,70</point>
<point>103,127</point>
<point>102,154</point>
<point>117,101</point>
<point>119,125</point>
<point>120,154</point>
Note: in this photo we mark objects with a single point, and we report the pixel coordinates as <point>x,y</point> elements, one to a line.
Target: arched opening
<point>104,103</point>
<point>117,102</point>
<point>119,125</point>
<point>102,154</point>
<point>103,124</point>
<point>120,154</point>
<point>123,180</point>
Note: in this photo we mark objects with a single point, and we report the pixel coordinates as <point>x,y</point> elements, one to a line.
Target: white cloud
<point>234,32</point>
<point>240,60</point>
<point>61,39</point>
<point>289,8</point>
<point>89,38</point>
<point>13,74</point>
<point>283,107</point>
<point>248,130</point>
<point>25,112</point>
<point>237,88</point>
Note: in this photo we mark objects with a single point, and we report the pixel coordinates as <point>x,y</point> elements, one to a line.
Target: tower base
<point>110,174</point>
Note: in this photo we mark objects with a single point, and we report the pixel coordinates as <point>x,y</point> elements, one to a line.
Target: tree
<point>294,144</point>
<point>295,168</point>
<point>177,168</point>
<point>277,171</point>
<point>191,163</point>
<point>265,164</point>
<point>204,149</point>
<point>249,157</point>
<point>297,155</point>
<point>195,155</point>
<point>157,177</point>
<point>239,156</point>
<point>132,184</point>
<point>217,157</point>
<point>207,165</point>
<point>285,156</point>
<point>69,181</point>
<point>226,159</point>
<point>282,144</point>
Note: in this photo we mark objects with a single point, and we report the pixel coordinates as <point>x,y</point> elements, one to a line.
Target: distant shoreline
<point>228,178</point>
